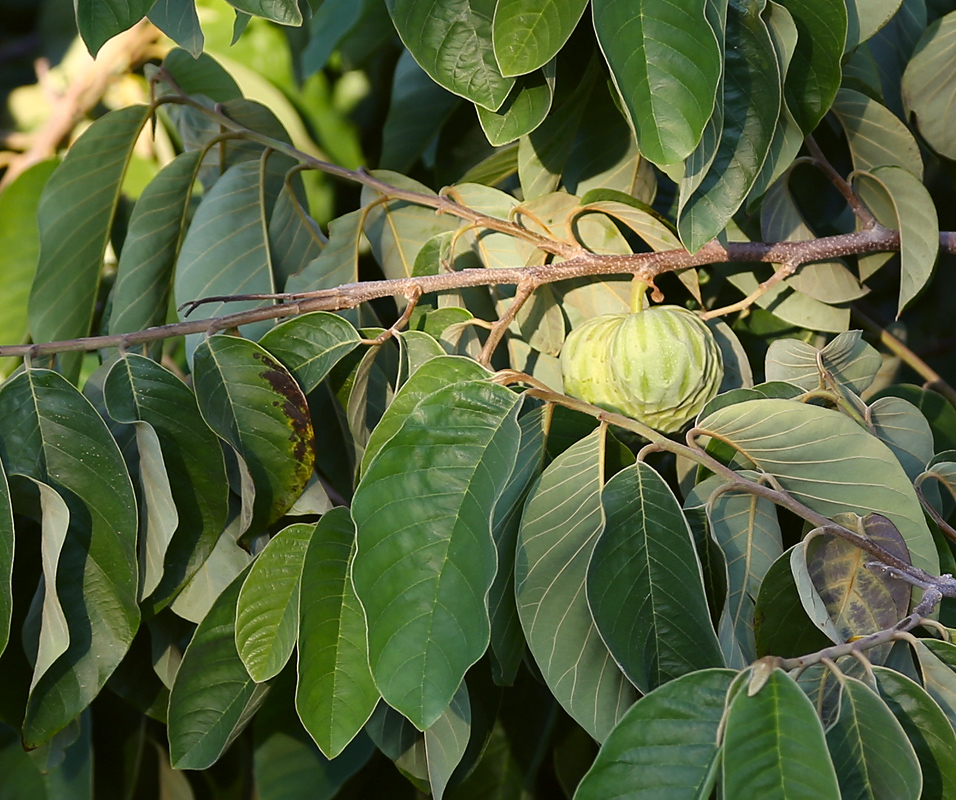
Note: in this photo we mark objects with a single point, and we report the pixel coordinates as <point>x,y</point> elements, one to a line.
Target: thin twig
<point>784,272</point>
<point>523,293</point>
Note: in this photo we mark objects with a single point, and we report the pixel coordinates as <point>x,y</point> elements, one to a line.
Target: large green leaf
<point>936,661</point>
<point>145,270</point>
<point>452,43</point>
<point>285,12</point>
<point>665,61</point>
<point>74,216</point>
<point>875,134</point>
<point>929,84</point>
<point>848,359</point>
<point>870,751</point>
<point>251,401</point>
<point>665,747</point>
<point>213,697</point>
<point>267,615</point>
<point>815,73</point>
<point>19,248</point>
<point>310,345</point>
<point>906,432</point>
<point>294,237</point>
<point>52,434</point>
<point>796,442</point>
<point>335,694</point>
<point>899,200</point>
<point>562,520</point>
<point>525,108</point>
<point>338,261</point>
<point>179,20</point>
<point>225,251</point>
<point>928,730</point>
<point>527,34</point>
<point>446,740</point>
<point>423,513</point>
<point>750,107</point>
<point>774,747</point>
<point>644,583</point>
<point>866,17</point>
<point>138,389</point>
<point>100,20</point>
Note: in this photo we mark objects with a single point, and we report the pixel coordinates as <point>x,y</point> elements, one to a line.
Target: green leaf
<point>335,694</point>
<point>74,217</point>
<point>332,21</point>
<point>7,535</point>
<point>285,12</point>
<point>417,110</point>
<point>311,345</point>
<point>870,751</point>
<point>139,389</point>
<point>751,106</point>
<point>815,73</point>
<point>20,247</point>
<point>665,61</point>
<point>905,431</point>
<point>446,740</point>
<point>644,583</point>
<point>251,401</point>
<point>145,269</point>
<point>774,747</point>
<point>929,84</point>
<point>796,442</point>
<point>431,377</point>
<point>936,661</point>
<point>876,136</point>
<point>338,262</point>
<point>213,697</point>
<point>53,435</point>
<point>928,730</point>
<point>562,520</point>
<point>899,200</point>
<point>527,34</point>
<point>179,20</point>
<point>100,20</point>
<point>452,43</point>
<point>866,17</point>
<point>934,408</point>
<point>202,75</point>
<point>267,615</point>
<point>665,746</point>
<point>225,251</point>
<point>793,308</point>
<point>523,110</point>
<point>848,358</point>
<point>435,482</point>
<point>294,237</point>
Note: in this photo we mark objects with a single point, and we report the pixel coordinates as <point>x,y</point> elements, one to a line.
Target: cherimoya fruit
<point>660,366</point>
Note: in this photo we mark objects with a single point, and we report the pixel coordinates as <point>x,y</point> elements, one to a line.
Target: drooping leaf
<point>251,401</point>
<point>446,740</point>
<point>294,237</point>
<point>929,84</point>
<point>335,694</point>
<point>452,43</point>
<point>145,270</point>
<point>905,431</point>
<point>523,110</point>
<point>933,407</point>
<point>562,520</point>
<point>225,251</point>
<point>311,345</point>
<point>285,12</point>
<point>267,614</point>
<point>527,34</point>
<point>100,20</point>
<point>179,20</point>
<point>644,583</point>
<point>796,442</point>
<point>53,435</point>
<point>202,75</point>
<point>866,17</point>
<point>457,449</point>
<point>74,217</point>
<point>928,730</point>
<point>774,747</point>
<point>665,746</point>
<point>848,358</point>
<point>936,661</point>
<point>876,136</point>
<point>139,389</point>
<point>665,60</point>
<point>213,697</point>
<point>870,751</point>
<point>900,200</point>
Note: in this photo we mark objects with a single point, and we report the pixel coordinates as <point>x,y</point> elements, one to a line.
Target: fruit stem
<point>638,291</point>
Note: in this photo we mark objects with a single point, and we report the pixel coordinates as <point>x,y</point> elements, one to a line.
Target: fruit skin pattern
<point>660,366</point>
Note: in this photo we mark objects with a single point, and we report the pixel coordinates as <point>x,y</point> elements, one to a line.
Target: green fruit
<point>660,366</point>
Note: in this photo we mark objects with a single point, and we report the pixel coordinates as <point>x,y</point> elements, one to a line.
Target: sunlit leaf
<point>100,20</point>
<point>929,84</point>
<point>527,34</point>
<point>523,110</point>
<point>294,237</point>
<point>213,697</point>
<point>338,262</point>
<point>285,12</point>
<point>446,740</point>
<point>665,746</point>
<point>848,358</point>
<point>335,693</point>
<point>251,401</point>
<point>179,20</point>
<point>665,61</point>
<point>434,482</point>
<point>644,583</point>
<point>267,615</point>
<point>876,136</point>
<point>562,520</point>
<point>905,431</point>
